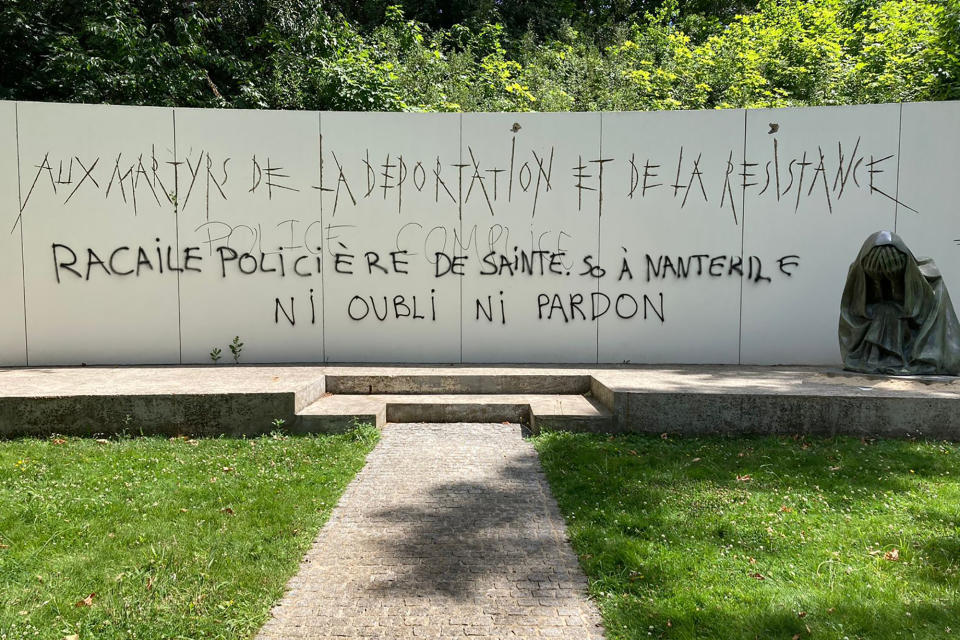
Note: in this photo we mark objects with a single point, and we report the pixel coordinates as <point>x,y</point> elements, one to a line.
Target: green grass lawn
<point>173,539</point>
<point>763,537</point>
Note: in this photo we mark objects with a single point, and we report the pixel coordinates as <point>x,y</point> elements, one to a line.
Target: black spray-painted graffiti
<point>202,179</point>
<point>74,263</point>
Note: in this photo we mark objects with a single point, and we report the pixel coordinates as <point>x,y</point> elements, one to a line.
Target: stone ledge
<point>246,400</point>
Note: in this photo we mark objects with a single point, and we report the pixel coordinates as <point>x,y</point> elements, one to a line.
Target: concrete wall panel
<point>13,346</point>
<point>96,184</point>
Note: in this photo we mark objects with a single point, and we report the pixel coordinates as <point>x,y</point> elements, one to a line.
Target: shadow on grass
<point>844,620</point>
<point>737,537</point>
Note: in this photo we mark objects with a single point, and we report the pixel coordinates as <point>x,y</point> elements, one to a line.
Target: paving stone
<point>449,531</point>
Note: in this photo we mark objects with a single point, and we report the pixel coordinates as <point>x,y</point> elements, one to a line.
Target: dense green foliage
<point>480,55</point>
<point>745,538</point>
<point>150,539</point>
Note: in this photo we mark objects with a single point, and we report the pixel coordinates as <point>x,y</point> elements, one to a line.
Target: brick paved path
<point>449,531</point>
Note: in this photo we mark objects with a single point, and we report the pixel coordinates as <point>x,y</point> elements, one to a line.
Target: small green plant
<point>235,348</point>
<point>364,433</point>
<point>215,354</point>
<point>278,432</point>
<point>124,433</point>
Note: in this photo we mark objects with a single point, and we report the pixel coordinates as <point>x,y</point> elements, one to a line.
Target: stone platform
<point>252,399</point>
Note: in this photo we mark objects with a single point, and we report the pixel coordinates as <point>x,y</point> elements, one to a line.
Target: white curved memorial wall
<point>152,235</point>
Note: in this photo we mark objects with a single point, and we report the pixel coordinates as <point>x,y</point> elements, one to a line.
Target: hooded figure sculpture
<point>896,316</point>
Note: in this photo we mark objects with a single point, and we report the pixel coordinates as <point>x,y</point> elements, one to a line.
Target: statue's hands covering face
<point>884,266</point>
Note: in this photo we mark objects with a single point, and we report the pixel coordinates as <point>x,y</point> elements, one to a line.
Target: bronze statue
<point>896,317</point>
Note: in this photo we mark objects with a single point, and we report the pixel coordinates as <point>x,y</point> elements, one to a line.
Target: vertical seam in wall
<point>460,224</point>
<point>323,248</point>
<point>599,223</point>
<point>176,230</point>
<point>896,197</point>
<point>23,265</point>
<point>743,226</point>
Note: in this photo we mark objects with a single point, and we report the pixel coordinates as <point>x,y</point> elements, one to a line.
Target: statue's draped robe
<point>919,336</point>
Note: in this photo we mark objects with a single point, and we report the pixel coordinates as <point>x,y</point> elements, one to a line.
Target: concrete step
<point>458,383</point>
<point>337,412</point>
<point>572,413</point>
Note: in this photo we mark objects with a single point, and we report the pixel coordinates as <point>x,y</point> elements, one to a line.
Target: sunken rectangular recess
<point>459,383</point>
